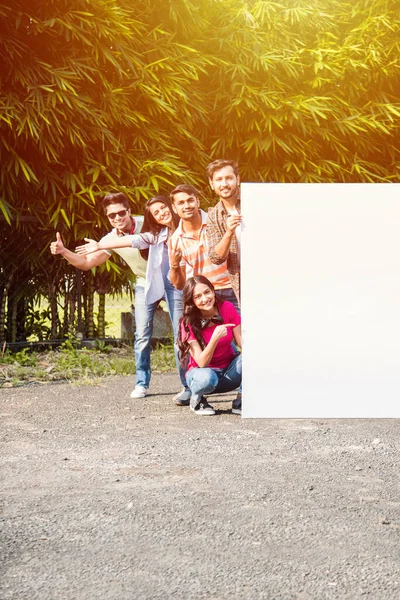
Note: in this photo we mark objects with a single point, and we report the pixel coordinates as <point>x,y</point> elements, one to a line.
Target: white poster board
<point>321,300</point>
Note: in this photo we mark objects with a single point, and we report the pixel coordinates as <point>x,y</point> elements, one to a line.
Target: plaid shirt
<point>216,227</point>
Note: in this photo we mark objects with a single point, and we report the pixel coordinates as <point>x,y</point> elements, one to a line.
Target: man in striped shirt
<point>188,247</point>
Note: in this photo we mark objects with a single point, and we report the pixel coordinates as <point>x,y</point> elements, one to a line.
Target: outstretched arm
<point>81,262</point>
<point>139,240</point>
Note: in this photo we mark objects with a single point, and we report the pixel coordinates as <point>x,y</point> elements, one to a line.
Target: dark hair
<point>186,188</point>
<point>220,163</point>
<point>149,222</point>
<point>191,316</point>
<point>116,198</point>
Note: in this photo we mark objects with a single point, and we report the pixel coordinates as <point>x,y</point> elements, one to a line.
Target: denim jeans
<point>144,316</point>
<point>229,295</point>
<point>205,380</point>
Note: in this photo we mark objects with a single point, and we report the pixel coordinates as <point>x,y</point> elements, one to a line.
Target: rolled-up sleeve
<point>214,235</point>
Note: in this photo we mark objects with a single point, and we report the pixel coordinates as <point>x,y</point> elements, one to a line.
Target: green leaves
<point>140,96</point>
<point>257,82</point>
<point>87,98</point>
<point>5,209</point>
<point>112,96</point>
<point>316,82</point>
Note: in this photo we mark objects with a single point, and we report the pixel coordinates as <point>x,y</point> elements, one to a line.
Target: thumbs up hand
<point>57,247</point>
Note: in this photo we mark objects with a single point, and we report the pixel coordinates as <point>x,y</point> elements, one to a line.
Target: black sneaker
<point>237,405</point>
<point>202,408</point>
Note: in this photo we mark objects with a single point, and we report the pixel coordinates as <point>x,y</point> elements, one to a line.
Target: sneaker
<point>202,408</point>
<point>139,392</point>
<point>183,398</point>
<point>237,405</point>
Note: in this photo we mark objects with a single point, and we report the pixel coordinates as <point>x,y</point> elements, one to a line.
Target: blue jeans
<point>204,380</point>
<point>229,295</point>
<point>144,316</point>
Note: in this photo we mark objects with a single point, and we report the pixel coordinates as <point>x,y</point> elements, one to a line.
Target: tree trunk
<point>18,321</point>
<point>3,312</point>
<point>71,310</point>
<point>65,311</point>
<point>13,311</point>
<point>3,299</point>
<point>101,316</point>
<point>89,305</point>
<point>3,302</point>
<point>55,322</point>
<point>79,323</point>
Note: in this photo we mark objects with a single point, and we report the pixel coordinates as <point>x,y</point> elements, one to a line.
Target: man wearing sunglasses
<point>117,208</point>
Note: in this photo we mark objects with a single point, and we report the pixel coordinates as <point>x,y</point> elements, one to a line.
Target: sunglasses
<point>120,213</point>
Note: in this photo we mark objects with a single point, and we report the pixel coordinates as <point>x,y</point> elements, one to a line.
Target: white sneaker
<point>139,392</point>
<point>183,398</point>
<point>202,408</point>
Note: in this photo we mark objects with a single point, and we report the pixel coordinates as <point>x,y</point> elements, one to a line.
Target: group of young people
<point>192,260</point>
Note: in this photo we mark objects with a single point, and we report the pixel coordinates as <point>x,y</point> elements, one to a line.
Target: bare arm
<point>177,274</point>
<point>203,357</point>
<point>177,277</point>
<point>139,240</point>
<point>81,262</point>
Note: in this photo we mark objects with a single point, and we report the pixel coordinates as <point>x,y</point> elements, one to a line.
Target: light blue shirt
<point>157,267</point>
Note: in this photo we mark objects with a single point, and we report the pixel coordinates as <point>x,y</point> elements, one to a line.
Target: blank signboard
<point>321,300</point>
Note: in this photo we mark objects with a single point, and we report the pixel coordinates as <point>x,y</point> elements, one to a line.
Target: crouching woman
<point>206,333</point>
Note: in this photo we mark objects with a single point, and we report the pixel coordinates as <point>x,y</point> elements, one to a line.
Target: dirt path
<point>106,497</point>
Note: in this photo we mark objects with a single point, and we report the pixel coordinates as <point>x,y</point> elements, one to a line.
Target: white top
<point>154,288</point>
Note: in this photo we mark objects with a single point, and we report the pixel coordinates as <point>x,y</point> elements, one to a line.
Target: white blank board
<point>321,300</point>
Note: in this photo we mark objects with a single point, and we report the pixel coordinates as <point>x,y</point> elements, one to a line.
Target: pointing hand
<point>222,330</point>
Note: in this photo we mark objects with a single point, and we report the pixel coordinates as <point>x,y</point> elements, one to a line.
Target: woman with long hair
<point>160,221</point>
<point>205,337</point>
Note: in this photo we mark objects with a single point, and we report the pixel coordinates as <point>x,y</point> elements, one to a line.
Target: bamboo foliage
<point>110,94</point>
<point>105,95</point>
<point>311,91</point>
<point>90,97</point>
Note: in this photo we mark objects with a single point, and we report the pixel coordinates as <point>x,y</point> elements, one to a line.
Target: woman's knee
<point>236,364</point>
<point>202,378</point>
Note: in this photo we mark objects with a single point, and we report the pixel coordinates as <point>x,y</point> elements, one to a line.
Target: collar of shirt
<point>164,235</point>
<point>223,211</point>
<point>131,232</point>
<point>179,230</point>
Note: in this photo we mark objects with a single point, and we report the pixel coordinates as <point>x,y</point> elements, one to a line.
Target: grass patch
<point>81,366</point>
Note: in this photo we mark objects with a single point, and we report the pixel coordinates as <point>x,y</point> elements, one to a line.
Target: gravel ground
<point>112,498</point>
